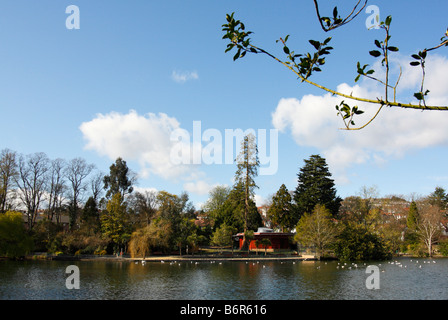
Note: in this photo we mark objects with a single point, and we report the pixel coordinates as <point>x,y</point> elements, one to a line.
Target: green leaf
<point>316,44</point>
<point>375,53</point>
<point>416,56</point>
<point>357,77</point>
<point>286,49</point>
<point>378,44</point>
<point>418,95</point>
<point>237,55</point>
<point>335,12</point>
<point>394,49</point>
<point>388,20</point>
<point>229,47</point>
<point>415,63</point>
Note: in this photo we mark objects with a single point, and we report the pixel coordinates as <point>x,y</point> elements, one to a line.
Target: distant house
<point>444,224</point>
<point>263,210</point>
<point>64,220</point>
<point>279,240</point>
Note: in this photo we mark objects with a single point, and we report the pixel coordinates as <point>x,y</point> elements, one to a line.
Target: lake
<point>402,278</point>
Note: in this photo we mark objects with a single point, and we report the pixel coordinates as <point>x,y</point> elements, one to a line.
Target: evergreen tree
<point>248,164</point>
<point>90,215</point>
<point>439,198</point>
<point>119,180</point>
<point>280,212</point>
<point>315,186</point>
<point>412,220</point>
<point>232,212</point>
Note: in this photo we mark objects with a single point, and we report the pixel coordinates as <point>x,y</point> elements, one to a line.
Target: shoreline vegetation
<point>137,224</point>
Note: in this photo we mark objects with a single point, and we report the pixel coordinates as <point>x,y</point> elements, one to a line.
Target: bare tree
<point>145,205</point>
<point>97,185</point>
<point>429,225</point>
<point>56,188</point>
<point>8,173</point>
<point>31,180</point>
<point>76,172</point>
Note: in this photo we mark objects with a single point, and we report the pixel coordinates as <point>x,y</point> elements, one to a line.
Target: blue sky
<point>137,70</point>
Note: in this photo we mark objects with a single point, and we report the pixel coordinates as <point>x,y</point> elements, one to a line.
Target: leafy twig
<point>328,24</point>
<point>309,63</point>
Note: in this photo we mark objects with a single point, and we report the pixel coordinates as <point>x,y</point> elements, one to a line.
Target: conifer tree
<point>248,164</point>
<point>413,216</point>
<point>280,212</point>
<point>315,186</point>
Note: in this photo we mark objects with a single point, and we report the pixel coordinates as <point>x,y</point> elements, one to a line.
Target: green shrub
<point>14,239</point>
<point>443,248</point>
<point>355,242</point>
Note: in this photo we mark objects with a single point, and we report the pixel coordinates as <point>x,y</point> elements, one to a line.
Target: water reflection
<point>255,280</point>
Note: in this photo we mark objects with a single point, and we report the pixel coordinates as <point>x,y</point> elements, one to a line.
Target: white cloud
<point>147,140</point>
<point>259,200</point>
<point>144,138</point>
<point>199,187</point>
<point>184,76</point>
<point>144,190</point>
<point>312,121</point>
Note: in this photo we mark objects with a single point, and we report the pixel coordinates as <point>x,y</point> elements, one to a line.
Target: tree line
<point>106,215</point>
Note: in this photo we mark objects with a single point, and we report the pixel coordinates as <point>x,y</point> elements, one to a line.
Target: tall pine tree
<point>247,164</point>
<point>315,186</point>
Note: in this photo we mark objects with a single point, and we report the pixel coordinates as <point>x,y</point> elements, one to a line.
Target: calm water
<point>227,281</point>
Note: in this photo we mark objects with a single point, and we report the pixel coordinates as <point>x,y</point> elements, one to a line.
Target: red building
<point>279,240</point>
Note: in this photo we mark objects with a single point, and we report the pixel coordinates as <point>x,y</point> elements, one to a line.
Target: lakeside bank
<point>161,258</point>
